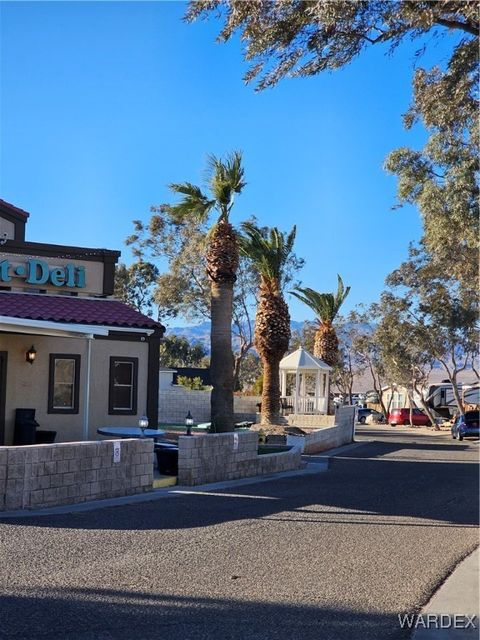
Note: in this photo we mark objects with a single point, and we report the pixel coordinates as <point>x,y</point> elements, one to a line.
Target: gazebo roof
<point>301,359</point>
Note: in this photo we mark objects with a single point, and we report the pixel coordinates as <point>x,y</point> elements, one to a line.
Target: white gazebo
<point>304,382</point>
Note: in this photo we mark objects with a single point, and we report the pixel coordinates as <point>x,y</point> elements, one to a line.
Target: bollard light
<point>188,424</point>
<point>143,424</point>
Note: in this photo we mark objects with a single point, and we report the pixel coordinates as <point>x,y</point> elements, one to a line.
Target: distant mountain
<point>201,332</point>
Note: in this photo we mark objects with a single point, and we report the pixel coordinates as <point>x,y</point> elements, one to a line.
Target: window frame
<point>76,357</point>
<point>123,412</point>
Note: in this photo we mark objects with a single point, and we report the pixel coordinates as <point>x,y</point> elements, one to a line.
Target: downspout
<point>86,412</point>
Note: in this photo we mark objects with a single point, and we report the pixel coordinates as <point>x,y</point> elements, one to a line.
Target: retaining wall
<point>310,421</point>
<point>228,456</point>
<point>326,437</point>
<point>65,473</point>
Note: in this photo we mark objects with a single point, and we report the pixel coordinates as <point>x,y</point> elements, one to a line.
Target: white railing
<point>305,404</point>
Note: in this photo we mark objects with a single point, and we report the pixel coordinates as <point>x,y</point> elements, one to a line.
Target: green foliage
<point>437,315</point>
<point>194,384</point>
<point>297,39</point>
<point>442,178</point>
<point>305,337</point>
<point>351,362</point>
<point>325,305</point>
<point>224,180</point>
<point>177,351</point>
<point>270,251</point>
<point>249,373</point>
<point>134,285</point>
<point>257,388</point>
<point>183,290</point>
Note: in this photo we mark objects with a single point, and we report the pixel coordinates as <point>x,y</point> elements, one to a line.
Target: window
<point>63,383</point>
<point>123,386</point>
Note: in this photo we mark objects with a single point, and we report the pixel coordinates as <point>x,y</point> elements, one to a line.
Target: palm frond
<point>342,293</point>
<point>268,249</point>
<point>325,305</point>
<point>194,204</point>
<point>225,178</point>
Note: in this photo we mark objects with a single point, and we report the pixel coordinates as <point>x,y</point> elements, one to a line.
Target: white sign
<point>116,451</point>
<point>235,441</point>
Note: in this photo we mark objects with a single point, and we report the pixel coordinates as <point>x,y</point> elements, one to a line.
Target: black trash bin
<point>25,427</point>
<point>45,436</point>
<point>167,458</point>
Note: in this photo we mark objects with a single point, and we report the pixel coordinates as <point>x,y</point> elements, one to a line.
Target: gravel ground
<point>336,555</point>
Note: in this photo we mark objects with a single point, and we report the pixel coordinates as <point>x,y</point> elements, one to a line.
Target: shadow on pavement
<point>105,614</point>
<point>385,489</point>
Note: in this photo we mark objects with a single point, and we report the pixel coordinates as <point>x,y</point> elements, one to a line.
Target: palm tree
<point>269,251</point>
<point>225,179</point>
<point>326,307</point>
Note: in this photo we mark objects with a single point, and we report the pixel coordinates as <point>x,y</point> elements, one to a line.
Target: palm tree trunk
<point>271,390</point>
<point>221,366</point>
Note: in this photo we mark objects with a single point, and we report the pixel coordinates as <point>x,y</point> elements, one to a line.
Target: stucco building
<point>70,351</point>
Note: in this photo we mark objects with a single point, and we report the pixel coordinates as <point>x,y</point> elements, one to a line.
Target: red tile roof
<point>70,309</point>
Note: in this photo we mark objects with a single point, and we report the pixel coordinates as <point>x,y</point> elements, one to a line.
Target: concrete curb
<point>158,494</point>
<point>458,595</point>
<point>331,453</point>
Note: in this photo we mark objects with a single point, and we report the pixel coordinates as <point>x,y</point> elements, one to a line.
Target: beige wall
<point>27,384</point>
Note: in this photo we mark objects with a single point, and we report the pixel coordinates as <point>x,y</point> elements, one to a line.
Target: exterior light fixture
<point>143,424</point>
<point>31,355</point>
<point>188,424</point>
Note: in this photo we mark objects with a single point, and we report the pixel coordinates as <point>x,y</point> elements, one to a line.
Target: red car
<point>402,416</point>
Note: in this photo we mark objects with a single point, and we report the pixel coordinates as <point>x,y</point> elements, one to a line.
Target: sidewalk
<point>460,595</point>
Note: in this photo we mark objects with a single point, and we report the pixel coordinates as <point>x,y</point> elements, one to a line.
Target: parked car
<point>402,416</point>
<point>466,426</point>
<point>362,415</point>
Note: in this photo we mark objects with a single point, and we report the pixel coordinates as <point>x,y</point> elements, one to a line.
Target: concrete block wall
<point>174,404</point>
<point>47,475</point>
<point>327,437</point>
<point>176,401</point>
<point>227,456</point>
<point>310,421</point>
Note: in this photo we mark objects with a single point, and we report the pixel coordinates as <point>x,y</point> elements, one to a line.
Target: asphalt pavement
<point>336,555</point>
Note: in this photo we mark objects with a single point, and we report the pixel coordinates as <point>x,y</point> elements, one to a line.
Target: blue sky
<point>104,103</point>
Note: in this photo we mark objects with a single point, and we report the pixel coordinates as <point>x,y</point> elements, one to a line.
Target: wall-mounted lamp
<point>31,355</point>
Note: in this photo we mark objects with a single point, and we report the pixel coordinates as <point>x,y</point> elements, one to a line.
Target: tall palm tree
<point>269,251</point>
<point>326,306</point>
<point>225,179</point>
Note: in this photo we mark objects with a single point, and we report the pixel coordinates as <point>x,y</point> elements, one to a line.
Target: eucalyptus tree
<point>183,289</point>
<point>298,39</point>
<point>406,356</point>
<point>270,250</point>
<point>443,314</point>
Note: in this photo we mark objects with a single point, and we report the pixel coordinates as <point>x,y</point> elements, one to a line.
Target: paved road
<point>335,555</point>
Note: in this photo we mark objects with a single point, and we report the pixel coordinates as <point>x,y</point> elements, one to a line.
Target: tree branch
<point>455,24</point>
